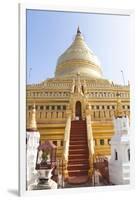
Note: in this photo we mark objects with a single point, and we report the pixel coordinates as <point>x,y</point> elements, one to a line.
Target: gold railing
<point>90,143</point>
<point>66,145</point>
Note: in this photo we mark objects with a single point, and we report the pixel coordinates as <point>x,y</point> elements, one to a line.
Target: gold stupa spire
<point>84,62</point>
<point>78,30</point>
<point>33,124</point>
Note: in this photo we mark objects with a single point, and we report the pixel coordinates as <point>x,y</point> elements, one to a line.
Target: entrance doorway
<point>78,110</point>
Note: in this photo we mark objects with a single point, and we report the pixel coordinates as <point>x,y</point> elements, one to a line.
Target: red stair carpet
<point>78,163</point>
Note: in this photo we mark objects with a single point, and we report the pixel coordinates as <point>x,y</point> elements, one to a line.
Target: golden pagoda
<point>78,96</point>
<point>32,120</point>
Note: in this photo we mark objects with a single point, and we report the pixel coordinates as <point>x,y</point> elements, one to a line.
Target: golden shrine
<point>75,108</point>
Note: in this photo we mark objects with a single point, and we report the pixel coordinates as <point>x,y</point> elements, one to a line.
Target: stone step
<point>78,133</point>
<point>79,156</point>
<point>78,121</point>
<point>81,142</point>
<point>79,127</point>
<point>79,166</point>
<point>74,180</point>
<point>78,142</point>
<point>78,172</point>
<point>78,161</point>
<point>77,138</point>
<point>77,146</point>
<point>78,151</point>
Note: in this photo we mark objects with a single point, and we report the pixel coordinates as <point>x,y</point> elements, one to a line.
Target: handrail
<point>67,137</point>
<point>90,142</point>
<point>66,146</point>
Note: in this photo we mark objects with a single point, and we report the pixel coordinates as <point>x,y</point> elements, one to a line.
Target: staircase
<point>78,163</point>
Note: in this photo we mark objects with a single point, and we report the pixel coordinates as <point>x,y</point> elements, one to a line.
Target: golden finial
<point>33,124</point>
<point>78,30</point>
<point>78,35</point>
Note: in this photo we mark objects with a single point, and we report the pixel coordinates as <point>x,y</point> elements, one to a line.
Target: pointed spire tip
<point>78,30</point>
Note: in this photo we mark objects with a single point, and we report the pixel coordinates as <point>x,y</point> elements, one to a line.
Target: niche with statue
<point>46,164</point>
<point>46,157</point>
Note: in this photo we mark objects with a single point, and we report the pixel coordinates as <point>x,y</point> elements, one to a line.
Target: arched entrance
<point>78,110</point>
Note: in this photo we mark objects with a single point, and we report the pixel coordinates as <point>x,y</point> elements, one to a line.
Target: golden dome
<point>78,58</point>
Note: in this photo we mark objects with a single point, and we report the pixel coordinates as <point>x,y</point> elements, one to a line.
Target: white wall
<point>9,101</point>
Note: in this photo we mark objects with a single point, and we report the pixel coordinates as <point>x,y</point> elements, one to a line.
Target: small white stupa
<point>33,138</point>
<point>119,163</point>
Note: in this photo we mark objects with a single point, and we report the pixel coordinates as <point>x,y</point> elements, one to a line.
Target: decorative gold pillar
<point>33,124</point>
<point>98,141</point>
<point>90,139</point>
<point>105,141</point>
<point>66,144</point>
